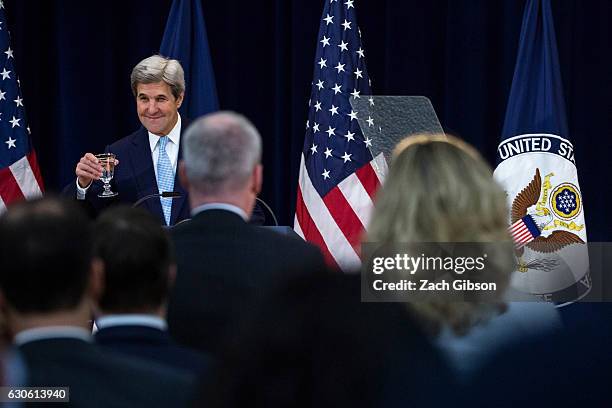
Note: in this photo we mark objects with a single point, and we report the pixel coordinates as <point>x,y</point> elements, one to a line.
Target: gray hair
<point>439,189</point>
<point>156,69</point>
<point>220,151</point>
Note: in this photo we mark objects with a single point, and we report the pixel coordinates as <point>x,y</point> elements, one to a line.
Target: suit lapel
<point>179,202</point>
<point>142,167</point>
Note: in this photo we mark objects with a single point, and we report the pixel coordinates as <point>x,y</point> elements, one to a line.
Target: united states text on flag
<point>19,173</point>
<point>337,181</point>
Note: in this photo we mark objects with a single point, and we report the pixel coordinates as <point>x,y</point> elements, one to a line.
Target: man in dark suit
<point>146,159</point>
<point>139,270</point>
<point>223,262</point>
<point>50,282</point>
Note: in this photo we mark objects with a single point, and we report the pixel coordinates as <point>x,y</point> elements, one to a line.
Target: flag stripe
<point>523,234</point>
<point>516,228</point>
<point>369,179</point>
<point>524,237</point>
<point>379,164</point>
<point>2,205</point>
<point>334,239</point>
<point>296,223</point>
<point>22,172</point>
<point>33,161</point>
<point>9,189</point>
<point>358,198</point>
<point>314,236</point>
<point>343,214</point>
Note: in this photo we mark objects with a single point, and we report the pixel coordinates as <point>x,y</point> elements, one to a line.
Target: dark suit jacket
<point>98,378</point>
<point>570,368</point>
<point>224,264</point>
<point>153,344</point>
<point>135,178</point>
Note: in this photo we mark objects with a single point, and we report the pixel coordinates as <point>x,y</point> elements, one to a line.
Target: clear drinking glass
<point>107,161</point>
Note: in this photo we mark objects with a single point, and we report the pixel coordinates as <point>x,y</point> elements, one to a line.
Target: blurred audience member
<point>223,262</point>
<point>571,369</point>
<point>439,189</point>
<point>313,343</point>
<point>50,283</point>
<point>12,367</point>
<point>139,270</point>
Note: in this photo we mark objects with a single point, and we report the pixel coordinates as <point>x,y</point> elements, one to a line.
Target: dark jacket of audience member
<point>223,263</point>
<point>139,270</point>
<point>566,369</point>
<point>50,283</point>
<point>314,344</point>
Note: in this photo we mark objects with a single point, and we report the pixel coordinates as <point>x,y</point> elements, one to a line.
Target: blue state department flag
<point>538,171</point>
<point>185,40</point>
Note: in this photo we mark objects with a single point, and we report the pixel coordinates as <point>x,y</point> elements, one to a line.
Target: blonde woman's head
<point>439,189</point>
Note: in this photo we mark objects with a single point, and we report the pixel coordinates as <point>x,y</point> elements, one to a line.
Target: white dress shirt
<point>113,320</point>
<point>51,332</point>
<point>172,149</point>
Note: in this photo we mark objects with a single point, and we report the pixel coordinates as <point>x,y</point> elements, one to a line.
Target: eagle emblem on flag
<point>533,214</point>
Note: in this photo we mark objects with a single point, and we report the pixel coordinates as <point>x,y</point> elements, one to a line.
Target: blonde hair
<point>439,189</point>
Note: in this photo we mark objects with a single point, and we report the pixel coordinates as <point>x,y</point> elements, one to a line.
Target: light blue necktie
<point>165,177</point>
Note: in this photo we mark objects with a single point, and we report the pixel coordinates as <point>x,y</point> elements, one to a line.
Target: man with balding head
<point>223,263</point>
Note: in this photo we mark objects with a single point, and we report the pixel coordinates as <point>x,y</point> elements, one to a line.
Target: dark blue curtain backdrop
<point>74,58</point>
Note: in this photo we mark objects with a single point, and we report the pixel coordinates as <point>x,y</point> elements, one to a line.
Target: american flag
<point>19,173</point>
<point>523,231</point>
<point>337,180</point>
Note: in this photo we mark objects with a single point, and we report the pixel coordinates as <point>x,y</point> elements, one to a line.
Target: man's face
<point>157,107</point>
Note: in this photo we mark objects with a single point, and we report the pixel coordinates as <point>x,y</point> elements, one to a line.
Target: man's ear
<point>257,179</point>
<point>183,175</point>
<point>95,288</point>
<point>180,99</point>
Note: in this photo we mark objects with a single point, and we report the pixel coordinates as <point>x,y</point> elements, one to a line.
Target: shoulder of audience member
<point>167,386</point>
<point>291,243</point>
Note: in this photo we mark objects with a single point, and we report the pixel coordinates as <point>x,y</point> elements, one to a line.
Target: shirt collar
<point>174,135</point>
<point>51,332</point>
<point>131,320</point>
<point>220,206</point>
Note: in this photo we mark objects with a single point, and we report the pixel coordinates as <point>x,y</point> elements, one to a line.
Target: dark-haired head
<point>137,258</point>
<point>45,255</point>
